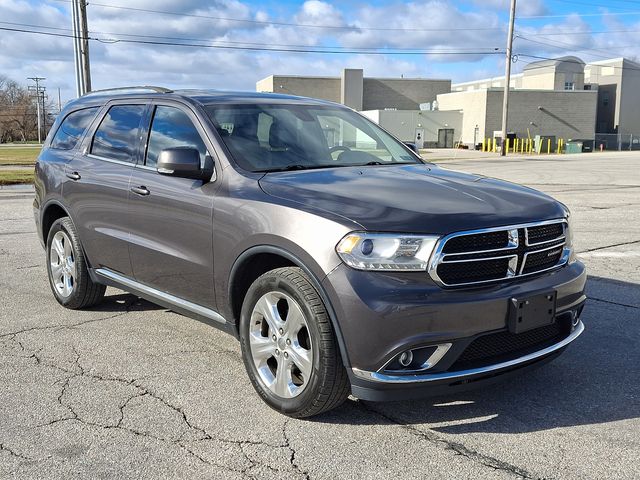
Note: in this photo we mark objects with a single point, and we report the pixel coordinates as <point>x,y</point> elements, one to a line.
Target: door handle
<point>74,176</point>
<point>142,190</point>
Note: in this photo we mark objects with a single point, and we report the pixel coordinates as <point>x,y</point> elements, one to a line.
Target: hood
<point>413,198</point>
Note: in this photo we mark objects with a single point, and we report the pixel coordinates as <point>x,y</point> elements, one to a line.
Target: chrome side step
<point>163,298</point>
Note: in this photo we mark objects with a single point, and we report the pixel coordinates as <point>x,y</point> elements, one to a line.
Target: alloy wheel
<point>280,344</point>
<point>63,265</point>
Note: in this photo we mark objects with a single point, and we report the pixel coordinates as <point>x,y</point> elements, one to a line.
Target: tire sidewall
<point>262,286</point>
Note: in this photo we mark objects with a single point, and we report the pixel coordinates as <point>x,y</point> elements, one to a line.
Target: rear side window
<point>72,128</point>
<point>117,136</point>
<point>172,128</point>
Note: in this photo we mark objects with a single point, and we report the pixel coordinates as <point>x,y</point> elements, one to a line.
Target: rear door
<point>98,184</point>
<point>171,236</point>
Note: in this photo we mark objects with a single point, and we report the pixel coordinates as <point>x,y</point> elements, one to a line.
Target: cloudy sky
<point>224,43</point>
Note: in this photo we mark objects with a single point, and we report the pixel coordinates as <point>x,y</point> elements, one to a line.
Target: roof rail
<point>124,89</point>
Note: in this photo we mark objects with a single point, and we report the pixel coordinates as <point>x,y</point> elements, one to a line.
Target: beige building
<point>567,114</point>
<point>618,84</point>
<point>563,97</point>
<point>355,90</point>
<point>566,73</point>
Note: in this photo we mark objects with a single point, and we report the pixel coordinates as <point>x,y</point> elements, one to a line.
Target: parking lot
<point>130,390</point>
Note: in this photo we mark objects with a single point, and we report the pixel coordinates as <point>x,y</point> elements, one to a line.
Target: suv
<point>343,262</point>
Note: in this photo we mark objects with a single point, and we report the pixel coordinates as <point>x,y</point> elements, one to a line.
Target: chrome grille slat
<point>518,249</point>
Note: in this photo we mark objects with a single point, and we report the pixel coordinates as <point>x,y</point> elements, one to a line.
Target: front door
<point>445,138</point>
<point>98,186</point>
<point>171,230</point>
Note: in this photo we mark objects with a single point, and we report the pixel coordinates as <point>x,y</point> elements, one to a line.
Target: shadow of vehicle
<point>596,380</point>
<point>124,302</point>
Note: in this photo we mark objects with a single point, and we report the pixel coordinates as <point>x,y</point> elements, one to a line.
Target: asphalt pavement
<point>131,390</point>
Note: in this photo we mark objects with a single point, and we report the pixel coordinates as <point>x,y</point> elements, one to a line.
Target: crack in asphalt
<point>13,453</point>
<point>457,447</point>
<point>77,370</point>
<point>292,457</point>
<point>613,303</point>
<point>609,246</point>
<point>127,309</point>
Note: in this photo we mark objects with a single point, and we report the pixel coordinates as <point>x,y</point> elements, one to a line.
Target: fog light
<point>406,358</point>
<point>574,318</point>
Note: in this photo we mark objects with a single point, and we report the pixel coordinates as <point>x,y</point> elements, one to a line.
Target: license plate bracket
<point>531,312</point>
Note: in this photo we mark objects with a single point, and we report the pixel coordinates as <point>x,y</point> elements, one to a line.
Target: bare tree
<point>18,117</point>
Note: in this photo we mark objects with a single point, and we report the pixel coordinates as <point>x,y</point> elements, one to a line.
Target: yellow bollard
<point>494,145</point>
<point>506,144</point>
<point>548,146</point>
<point>522,146</point>
<point>483,143</point>
<point>515,145</point>
<point>559,144</point>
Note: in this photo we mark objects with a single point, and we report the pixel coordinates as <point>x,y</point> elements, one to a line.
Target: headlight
<point>569,239</point>
<point>386,251</point>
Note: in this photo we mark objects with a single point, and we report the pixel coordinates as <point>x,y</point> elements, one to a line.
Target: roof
<point>201,96</point>
<point>553,62</point>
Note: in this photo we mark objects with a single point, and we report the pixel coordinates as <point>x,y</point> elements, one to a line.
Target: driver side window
<point>172,128</point>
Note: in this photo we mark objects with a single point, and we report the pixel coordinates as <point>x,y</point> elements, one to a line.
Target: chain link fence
<point>616,142</point>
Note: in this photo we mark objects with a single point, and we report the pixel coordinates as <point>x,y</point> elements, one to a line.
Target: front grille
<point>468,258</point>
<point>465,272</point>
<point>480,241</point>
<point>544,233</point>
<point>542,260</point>
<point>504,346</point>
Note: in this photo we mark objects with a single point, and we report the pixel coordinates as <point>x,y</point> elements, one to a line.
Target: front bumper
<point>381,314</point>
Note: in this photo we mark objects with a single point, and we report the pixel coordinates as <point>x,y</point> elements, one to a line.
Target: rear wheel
<point>67,267</point>
<point>289,347</point>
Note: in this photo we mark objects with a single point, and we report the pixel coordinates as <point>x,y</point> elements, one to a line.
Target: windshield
<point>264,138</point>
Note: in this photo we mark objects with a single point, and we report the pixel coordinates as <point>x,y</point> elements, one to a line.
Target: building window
<point>605,99</point>
<point>569,86</point>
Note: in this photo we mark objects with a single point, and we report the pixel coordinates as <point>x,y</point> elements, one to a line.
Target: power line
<point>568,46</point>
<point>495,51</point>
<point>219,42</point>
<point>588,4</point>
<point>533,17</point>
<point>284,24</point>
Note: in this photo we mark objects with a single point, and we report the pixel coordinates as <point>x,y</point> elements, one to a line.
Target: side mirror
<point>180,162</point>
<point>412,146</point>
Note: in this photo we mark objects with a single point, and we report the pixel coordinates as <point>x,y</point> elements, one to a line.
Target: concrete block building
<point>563,98</point>
<point>355,90</point>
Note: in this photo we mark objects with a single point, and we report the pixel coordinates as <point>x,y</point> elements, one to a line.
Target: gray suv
<point>342,262</point>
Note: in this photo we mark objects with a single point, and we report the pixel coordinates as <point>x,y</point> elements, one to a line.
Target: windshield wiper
<point>298,166</point>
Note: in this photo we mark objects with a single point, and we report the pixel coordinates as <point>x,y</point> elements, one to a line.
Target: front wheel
<point>289,347</point>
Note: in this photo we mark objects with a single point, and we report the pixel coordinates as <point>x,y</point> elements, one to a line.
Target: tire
<point>297,371</point>
<point>67,268</point>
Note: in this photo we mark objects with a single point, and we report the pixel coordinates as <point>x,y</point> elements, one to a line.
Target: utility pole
<point>39,92</point>
<point>507,77</point>
<point>81,46</point>
<point>84,51</point>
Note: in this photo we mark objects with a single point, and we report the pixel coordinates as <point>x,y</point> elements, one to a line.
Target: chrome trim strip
<point>159,295</point>
<point>434,358</point>
<point>438,257</point>
<point>469,260</point>
<point>432,377</point>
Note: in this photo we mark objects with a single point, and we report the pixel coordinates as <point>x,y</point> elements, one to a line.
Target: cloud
<point>444,26</point>
<point>526,8</point>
